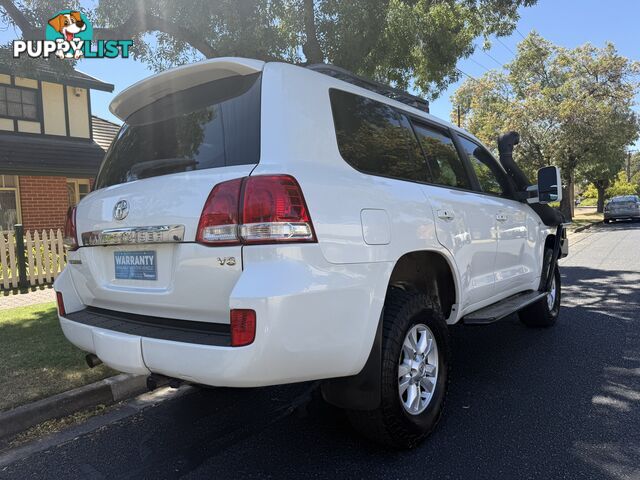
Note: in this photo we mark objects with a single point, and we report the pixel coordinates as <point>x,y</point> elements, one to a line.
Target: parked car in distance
<point>624,207</point>
<point>262,223</point>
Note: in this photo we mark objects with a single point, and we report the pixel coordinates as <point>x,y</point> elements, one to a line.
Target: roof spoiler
<point>149,90</point>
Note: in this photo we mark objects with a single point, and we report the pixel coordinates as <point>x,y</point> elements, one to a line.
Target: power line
<point>478,63</point>
<point>492,58</point>
<point>520,33</point>
<point>505,45</point>
<point>466,75</point>
<point>470,77</point>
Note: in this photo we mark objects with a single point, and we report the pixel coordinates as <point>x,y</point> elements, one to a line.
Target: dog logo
<point>121,210</point>
<point>71,27</point>
<point>68,24</point>
<point>70,35</point>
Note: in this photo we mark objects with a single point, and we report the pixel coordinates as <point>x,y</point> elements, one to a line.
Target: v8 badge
<point>231,261</point>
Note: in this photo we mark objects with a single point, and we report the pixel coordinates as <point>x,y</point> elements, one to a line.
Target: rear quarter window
<point>376,139</point>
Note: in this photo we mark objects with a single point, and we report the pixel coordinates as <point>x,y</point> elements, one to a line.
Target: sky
<point>568,23</point>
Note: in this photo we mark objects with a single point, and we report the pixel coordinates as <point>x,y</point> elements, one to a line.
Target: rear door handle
<point>446,214</point>
<point>501,217</point>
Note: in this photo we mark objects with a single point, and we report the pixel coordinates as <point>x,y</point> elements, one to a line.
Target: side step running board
<point>503,308</point>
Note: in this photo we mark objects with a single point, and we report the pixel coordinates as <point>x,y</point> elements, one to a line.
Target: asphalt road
<point>555,403</point>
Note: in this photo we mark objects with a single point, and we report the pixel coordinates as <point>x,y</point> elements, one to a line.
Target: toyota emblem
<point>121,210</point>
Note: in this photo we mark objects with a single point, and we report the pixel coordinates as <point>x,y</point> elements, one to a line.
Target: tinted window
<point>444,163</point>
<point>628,198</point>
<point>212,125</point>
<point>374,138</point>
<point>489,173</point>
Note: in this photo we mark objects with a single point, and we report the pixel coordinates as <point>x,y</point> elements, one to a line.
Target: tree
<point>407,42</point>
<point>634,165</point>
<point>602,174</point>
<point>607,153</point>
<point>621,186</point>
<point>573,108</point>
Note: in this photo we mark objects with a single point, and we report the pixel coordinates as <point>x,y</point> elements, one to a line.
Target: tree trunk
<point>600,203</point>
<point>572,197</point>
<point>311,48</point>
<point>567,188</point>
<point>20,19</point>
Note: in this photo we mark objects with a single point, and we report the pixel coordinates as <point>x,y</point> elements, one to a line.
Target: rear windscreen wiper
<point>138,170</point>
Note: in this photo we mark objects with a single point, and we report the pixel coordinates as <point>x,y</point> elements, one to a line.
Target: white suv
<point>262,223</point>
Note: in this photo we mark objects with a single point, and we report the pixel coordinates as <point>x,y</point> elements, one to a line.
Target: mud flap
<point>551,268</point>
<point>362,391</point>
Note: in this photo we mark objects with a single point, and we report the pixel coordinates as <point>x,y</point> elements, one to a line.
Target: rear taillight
<point>70,235</point>
<point>274,210</point>
<point>219,220</point>
<point>61,310</point>
<point>243,327</point>
<point>256,210</point>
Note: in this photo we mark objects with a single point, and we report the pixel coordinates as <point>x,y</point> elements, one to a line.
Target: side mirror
<point>549,188</point>
<point>549,185</point>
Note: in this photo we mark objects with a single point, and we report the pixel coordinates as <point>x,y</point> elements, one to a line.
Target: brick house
<point>50,145</point>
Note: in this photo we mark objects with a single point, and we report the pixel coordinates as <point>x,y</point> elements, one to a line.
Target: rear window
<point>374,138</point>
<point>216,124</point>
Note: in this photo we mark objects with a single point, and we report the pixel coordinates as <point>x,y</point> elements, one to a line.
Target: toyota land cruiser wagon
<point>262,223</point>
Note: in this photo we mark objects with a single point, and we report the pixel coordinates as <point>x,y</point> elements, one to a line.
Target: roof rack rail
<point>386,90</point>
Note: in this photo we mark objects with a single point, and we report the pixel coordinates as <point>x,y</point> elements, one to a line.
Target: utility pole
<point>629,166</point>
<point>458,115</point>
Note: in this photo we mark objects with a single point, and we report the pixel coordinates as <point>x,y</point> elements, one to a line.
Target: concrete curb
<point>104,392</point>
<point>129,408</point>
<point>584,227</point>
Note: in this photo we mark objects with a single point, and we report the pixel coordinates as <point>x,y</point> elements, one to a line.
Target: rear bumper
<point>622,215</point>
<point>314,320</point>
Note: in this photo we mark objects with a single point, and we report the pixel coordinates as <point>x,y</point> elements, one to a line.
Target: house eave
<point>84,81</point>
<point>26,154</point>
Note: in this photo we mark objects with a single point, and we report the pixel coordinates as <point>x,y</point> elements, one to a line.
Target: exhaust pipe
<point>155,381</point>
<point>92,360</point>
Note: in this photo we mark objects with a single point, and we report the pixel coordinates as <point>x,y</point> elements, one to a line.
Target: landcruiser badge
<point>121,210</point>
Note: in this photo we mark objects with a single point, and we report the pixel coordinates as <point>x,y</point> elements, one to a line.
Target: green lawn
<point>36,360</point>
<point>585,217</point>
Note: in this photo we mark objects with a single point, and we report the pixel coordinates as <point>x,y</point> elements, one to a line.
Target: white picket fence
<point>44,257</point>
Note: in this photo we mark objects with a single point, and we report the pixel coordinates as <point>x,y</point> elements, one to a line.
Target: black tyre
<point>607,221</point>
<point>414,380</point>
<point>545,312</point>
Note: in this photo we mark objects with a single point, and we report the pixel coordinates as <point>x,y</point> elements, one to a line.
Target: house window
<point>9,202</point>
<point>19,103</point>
<point>77,188</point>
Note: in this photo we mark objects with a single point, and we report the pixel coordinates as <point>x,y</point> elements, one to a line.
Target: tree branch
<point>311,49</point>
<point>21,21</point>
<point>141,22</point>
